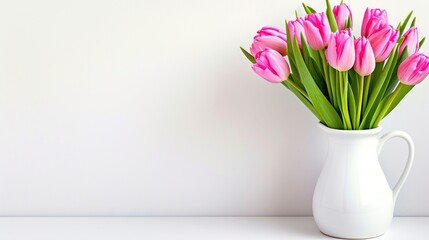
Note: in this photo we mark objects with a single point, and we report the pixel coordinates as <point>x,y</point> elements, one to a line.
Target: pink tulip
<point>373,20</point>
<point>271,66</point>
<point>269,37</point>
<point>342,14</point>
<point>414,69</point>
<point>411,41</point>
<point>365,61</point>
<point>296,27</point>
<point>383,41</point>
<point>317,30</point>
<point>341,50</point>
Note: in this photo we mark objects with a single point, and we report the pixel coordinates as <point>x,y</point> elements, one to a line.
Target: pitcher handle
<point>407,168</point>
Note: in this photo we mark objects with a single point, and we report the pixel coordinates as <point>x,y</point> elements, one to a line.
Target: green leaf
<point>318,61</point>
<point>331,18</point>
<point>352,107</point>
<point>318,77</point>
<point>303,99</point>
<point>344,88</point>
<point>305,50</point>
<point>315,58</point>
<point>378,89</point>
<point>349,23</point>
<point>248,55</point>
<point>322,106</point>
<point>390,102</point>
<point>392,85</point>
<point>394,78</point>
<point>413,23</point>
<point>399,27</point>
<point>390,78</point>
<point>309,56</point>
<point>404,90</point>
<point>377,71</point>
<point>374,122</point>
<point>379,101</point>
<point>291,55</point>
<point>290,49</point>
<point>296,80</point>
<point>335,89</point>
<point>381,79</point>
<point>404,24</point>
<point>422,42</point>
<point>308,9</point>
<point>354,81</point>
<point>367,83</point>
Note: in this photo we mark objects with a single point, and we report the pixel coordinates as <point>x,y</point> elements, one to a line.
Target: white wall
<point>148,108</point>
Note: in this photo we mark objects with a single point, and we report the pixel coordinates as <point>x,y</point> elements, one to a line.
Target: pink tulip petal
<point>340,52</point>
<point>267,75</point>
<point>317,30</point>
<point>269,37</point>
<point>373,21</point>
<point>313,36</point>
<point>411,41</point>
<point>414,69</point>
<point>271,66</point>
<point>383,42</point>
<point>296,27</point>
<point>342,13</point>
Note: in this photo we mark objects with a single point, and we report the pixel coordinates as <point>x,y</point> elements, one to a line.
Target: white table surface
<point>189,228</point>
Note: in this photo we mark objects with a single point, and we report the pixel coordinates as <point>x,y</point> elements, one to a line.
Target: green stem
<point>334,86</point>
<point>325,71</point>
<point>346,93</point>
<point>293,84</point>
<point>359,102</point>
<point>387,106</point>
<point>340,96</point>
<point>344,96</point>
<point>366,92</point>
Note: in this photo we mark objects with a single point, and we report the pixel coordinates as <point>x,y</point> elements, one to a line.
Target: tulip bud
<point>383,41</point>
<point>271,66</point>
<point>342,14</point>
<point>411,41</point>
<point>341,50</point>
<point>317,30</point>
<point>296,27</point>
<point>414,69</point>
<point>373,20</point>
<point>269,37</point>
<point>364,61</point>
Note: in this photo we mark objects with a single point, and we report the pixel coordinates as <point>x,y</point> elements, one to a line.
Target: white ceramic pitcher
<point>352,198</point>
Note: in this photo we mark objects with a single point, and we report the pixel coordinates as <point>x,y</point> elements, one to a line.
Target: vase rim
<point>350,132</point>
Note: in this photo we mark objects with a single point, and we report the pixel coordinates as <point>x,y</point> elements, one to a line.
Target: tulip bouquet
<point>348,82</point>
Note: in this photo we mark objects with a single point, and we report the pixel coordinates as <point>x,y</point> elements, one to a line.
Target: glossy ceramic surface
<point>352,198</point>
